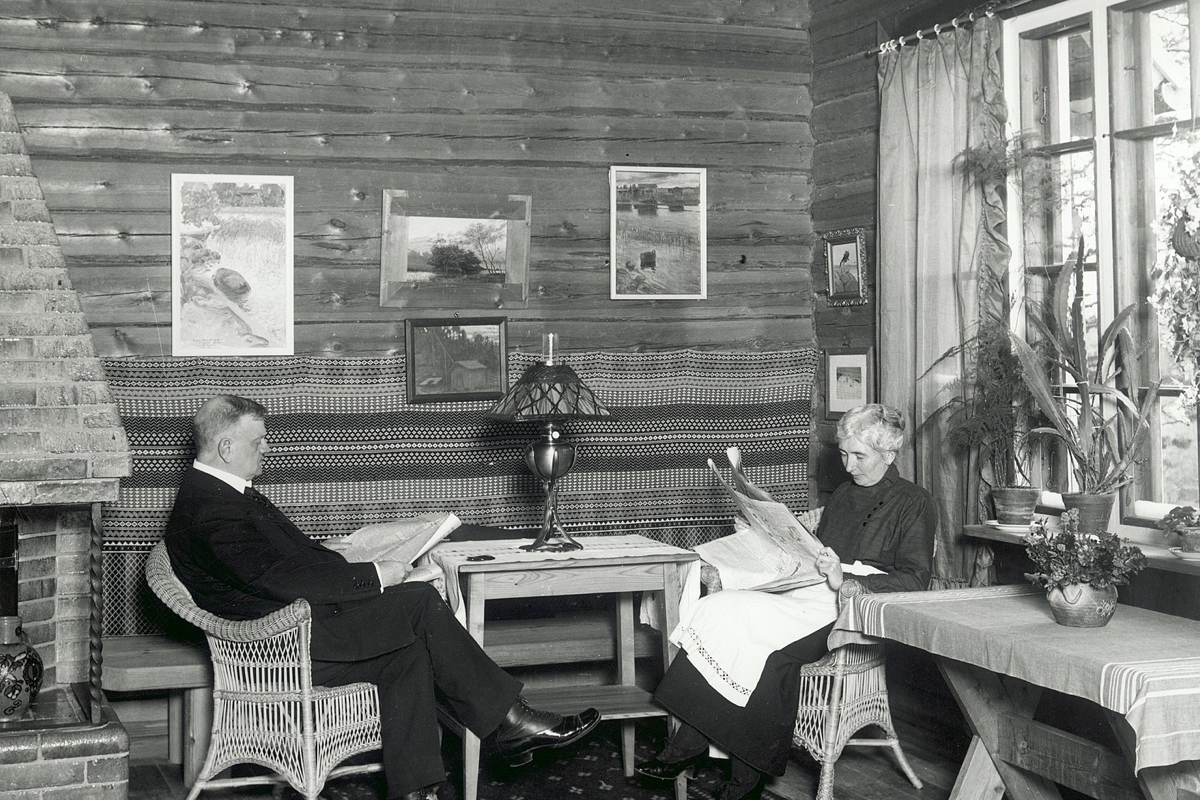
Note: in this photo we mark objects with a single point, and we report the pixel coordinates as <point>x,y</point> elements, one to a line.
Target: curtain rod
<point>989,9</point>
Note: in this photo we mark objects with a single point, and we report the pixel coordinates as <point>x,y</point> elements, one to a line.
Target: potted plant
<point>990,409</point>
<point>1184,522</point>
<point>1093,410</point>
<point>1080,570</point>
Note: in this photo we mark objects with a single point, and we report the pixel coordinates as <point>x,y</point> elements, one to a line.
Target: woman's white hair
<point>875,425</point>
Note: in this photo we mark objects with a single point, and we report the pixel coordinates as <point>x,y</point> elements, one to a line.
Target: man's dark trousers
<point>476,691</point>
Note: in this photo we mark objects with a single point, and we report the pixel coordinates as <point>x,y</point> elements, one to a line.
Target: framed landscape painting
<point>449,250</point>
<point>231,265</point>
<point>658,233</point>
<point>456,359</point>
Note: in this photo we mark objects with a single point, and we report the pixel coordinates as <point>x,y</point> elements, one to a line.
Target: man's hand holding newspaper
<point>404,541</point>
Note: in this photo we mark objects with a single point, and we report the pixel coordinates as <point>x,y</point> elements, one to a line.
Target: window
<point>1101,99</point>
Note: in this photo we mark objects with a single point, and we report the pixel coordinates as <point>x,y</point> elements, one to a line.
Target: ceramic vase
<point>1078,605</point>
<point>20,671</point>
<point>1015,504</point>
<point>1095,510</point>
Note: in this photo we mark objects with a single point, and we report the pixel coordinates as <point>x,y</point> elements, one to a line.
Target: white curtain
<point>940,229</point>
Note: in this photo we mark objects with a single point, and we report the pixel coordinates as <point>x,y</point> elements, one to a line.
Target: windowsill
<point>1140,527</point>
<point>1157,554</point>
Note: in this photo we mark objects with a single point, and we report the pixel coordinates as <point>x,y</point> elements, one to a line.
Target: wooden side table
<point>619,565</point>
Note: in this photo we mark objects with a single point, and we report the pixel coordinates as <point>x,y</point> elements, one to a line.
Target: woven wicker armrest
<point>252,630</point>
<point>850,589</point>
<point>175,595</point>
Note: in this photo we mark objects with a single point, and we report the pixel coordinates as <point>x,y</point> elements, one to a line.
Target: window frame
<point>1112,29</point>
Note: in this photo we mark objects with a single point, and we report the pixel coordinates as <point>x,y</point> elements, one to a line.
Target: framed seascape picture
<point>849,379</point>
<point>456,359</point>
<point>845,267</point>
<point>449,250</point>
<point>658,238</point>
<point>231,265</point>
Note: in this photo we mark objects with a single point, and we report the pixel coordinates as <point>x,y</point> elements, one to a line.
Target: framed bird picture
<point>845,266</point>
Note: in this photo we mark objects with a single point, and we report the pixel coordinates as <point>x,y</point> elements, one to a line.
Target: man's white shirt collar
<point>228,477</point>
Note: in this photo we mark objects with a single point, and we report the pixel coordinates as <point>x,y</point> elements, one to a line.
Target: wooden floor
<point>929,724</point>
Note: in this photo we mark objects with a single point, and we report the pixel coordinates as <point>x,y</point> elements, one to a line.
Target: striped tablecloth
<point>1143,664</point>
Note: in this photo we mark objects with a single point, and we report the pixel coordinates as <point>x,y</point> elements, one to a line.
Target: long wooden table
<point>999,649</point>
<point>618,565</point>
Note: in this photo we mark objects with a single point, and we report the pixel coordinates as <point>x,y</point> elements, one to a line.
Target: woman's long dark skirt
<point>761,733</point>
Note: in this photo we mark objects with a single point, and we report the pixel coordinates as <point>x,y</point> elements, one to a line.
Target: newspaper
<point>772,550</point>
<point>401,540</point>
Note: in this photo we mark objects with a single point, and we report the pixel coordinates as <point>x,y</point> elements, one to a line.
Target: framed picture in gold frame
<point>845,266</point>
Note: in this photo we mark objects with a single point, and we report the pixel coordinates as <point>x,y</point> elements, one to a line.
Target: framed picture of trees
<point>456,359</point>
<point>442,249</point>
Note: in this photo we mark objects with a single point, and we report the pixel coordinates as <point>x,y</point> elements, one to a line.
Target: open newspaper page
<point>773,551</point>
<point>401,540</point>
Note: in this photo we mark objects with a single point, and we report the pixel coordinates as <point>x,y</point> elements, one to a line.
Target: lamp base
<point>551,528</point>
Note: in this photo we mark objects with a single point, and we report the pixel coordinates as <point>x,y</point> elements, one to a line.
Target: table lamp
<point>550,393</point>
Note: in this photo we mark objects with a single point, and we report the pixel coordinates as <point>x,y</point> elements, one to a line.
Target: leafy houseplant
<point>990,409</point>
<point>1183,521</point>
<point>1080,570</point>
<point>1177,278</point>
<point>1101,423</point>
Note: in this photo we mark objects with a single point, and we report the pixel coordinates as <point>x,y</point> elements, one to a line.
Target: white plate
<point>1022,529</point>
<point>1179,553</point>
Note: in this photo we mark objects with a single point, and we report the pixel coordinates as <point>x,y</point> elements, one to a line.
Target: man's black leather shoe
<point>527,729</point>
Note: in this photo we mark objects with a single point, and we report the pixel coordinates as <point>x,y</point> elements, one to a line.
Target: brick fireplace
<point>62,454</point>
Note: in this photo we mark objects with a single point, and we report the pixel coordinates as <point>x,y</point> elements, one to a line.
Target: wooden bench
<point>184,672</point>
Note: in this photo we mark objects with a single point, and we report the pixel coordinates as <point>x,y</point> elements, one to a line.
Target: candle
<point>548,340</point>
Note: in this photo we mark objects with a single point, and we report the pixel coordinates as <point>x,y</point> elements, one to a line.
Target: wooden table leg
<point>625,673</point>
<point>982,698</point>
<point>474,599</point>
<point>1157,783</point>
<point>673,575</point>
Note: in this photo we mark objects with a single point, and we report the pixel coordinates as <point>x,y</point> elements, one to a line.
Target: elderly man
<point>242,558</point>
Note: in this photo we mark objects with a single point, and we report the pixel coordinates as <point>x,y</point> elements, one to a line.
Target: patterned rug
<point>592,769</point>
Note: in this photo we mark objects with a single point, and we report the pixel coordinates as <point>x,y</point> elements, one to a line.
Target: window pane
<point>1171,74</point>
<point>1058,197</point>
<point>1171,154</point>
<point>1179,469</point>
<point>1082,93</point>
<point>1058,93</point>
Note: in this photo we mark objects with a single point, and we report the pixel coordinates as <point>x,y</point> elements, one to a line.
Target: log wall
<point>845,125</point>
<point>352,97</point>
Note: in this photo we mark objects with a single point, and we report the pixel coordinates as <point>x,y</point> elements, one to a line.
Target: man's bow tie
<point>257,496</point>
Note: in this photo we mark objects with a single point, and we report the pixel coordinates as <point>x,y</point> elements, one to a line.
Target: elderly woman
<point>746,704</point>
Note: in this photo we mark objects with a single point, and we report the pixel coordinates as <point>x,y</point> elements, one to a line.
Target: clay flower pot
<point>1189,539</point>
<point>1185,243</point>
<point>1015,504</point>
<point>1078,605</point>
<point>1094,509</point>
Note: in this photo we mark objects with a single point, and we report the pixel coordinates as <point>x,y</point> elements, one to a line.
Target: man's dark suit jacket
<point>242,559</point>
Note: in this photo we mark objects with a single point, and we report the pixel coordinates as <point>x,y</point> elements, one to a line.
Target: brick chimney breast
<point>61,438</point>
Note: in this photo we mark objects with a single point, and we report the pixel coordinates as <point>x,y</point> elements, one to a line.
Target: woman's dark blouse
<point>890,525</point>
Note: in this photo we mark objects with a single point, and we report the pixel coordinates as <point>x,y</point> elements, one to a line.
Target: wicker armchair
<point>265,709</point>
<point>840,695</point>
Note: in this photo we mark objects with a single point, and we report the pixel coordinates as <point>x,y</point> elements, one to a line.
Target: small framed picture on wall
<point>456,359</point>
<point>849,379</point>
<point>845,267</point>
